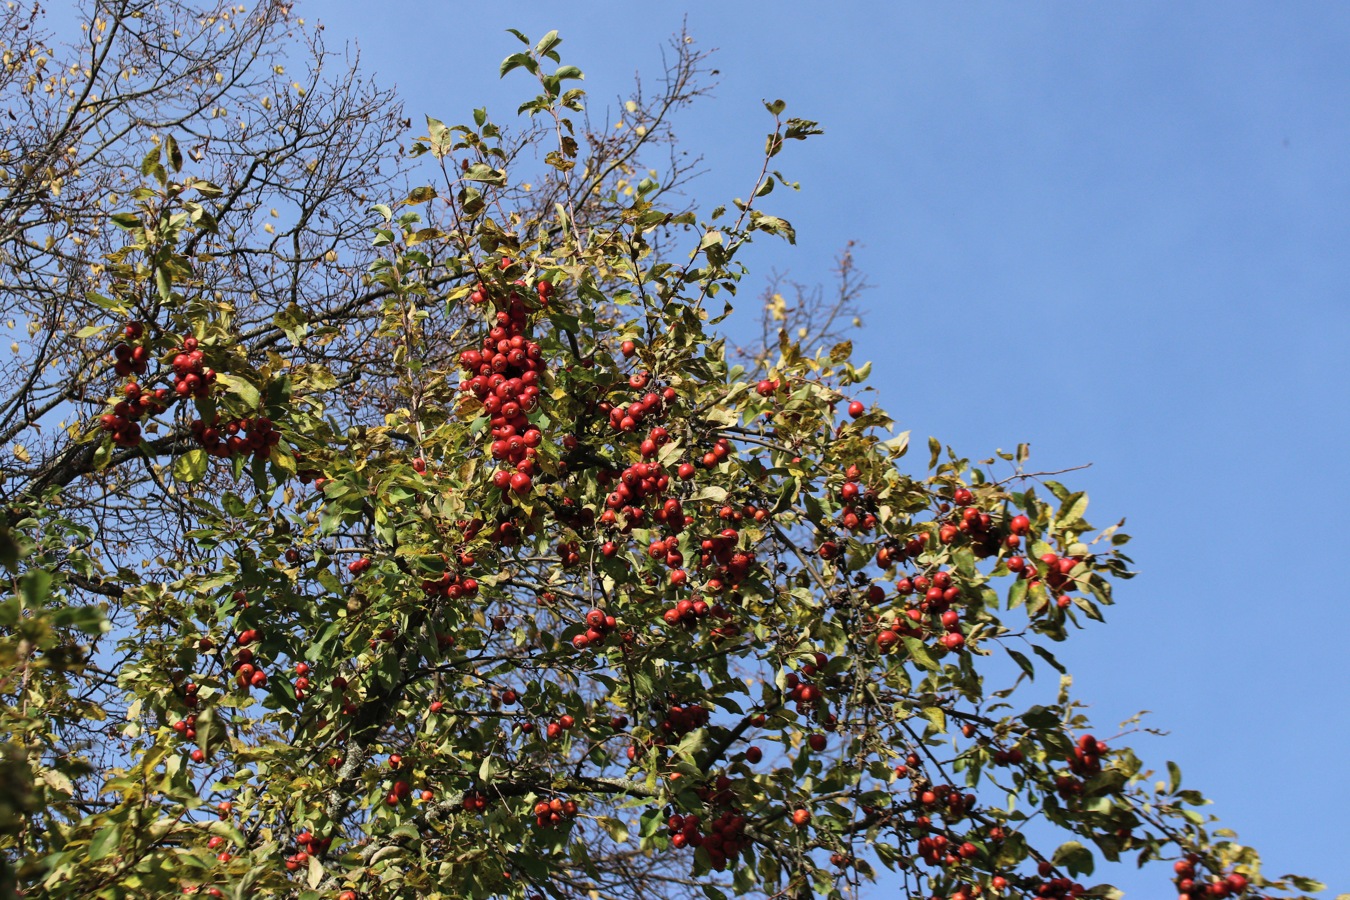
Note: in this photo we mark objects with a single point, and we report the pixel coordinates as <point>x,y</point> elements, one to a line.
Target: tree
<point>444,548</point>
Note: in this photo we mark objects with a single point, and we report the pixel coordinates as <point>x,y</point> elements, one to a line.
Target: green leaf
<point>482,172</point>
<point>420,195</point>
<point>1074,857</point>
<point>1022,661</point>
<point>1040,717</point>
<point>516,61</point>
<point>936,716</point>
<point>1050,658</point>
<point>34,587</point>
<point>692,743</point>
<point>1072,509</point>
<point>163,284</point>
<point>546,43</point>
<point>615,828</point>
<point>919,653</point>
<point>241,388</point>
<point>105,842</point>
<point>175,155</point>
<point>191,466</point>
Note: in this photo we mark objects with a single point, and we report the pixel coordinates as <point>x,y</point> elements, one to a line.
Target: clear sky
<point>1116,231</point>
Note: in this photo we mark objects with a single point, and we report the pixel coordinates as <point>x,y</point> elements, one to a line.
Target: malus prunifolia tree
<point>480,566</point>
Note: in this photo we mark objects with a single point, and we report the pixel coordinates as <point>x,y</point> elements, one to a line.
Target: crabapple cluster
<point>769,386</point>
<point>124,420</point>
<point>678,720</point>
<point>723,839</point>
<point>628,418</point>
<point>1189,887</point>
<point>236,437</point>
<point>1084,762</point>
<point>558,726</point>
<point>548,813</point>
<point>800,689</point>
<point>598,627</point>
<point>248,671</point>
<point>938,594</point>
<point>452,586</point>
<point>725,565</point>
<point>301,683</point>
<point>1056,888</point>
<point>689,612</point>
<point>131,359</point>
<point>186,727</point>
<point>1086,759</point>
<point>1057,576</point>
<point>638,484</point>
<point>191,377</point>
<point>505,376</point>
<point>855,516</point>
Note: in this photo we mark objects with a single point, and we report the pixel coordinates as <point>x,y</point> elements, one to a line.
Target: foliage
<point>443,548</point>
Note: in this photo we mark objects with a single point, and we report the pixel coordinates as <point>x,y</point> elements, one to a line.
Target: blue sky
<point>1115,231</point>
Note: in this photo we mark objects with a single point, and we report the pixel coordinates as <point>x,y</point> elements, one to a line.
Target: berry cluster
<point>186,727</point>
<point>598,627</point>
<point>856,516</point>
<point>191,377</point>
<point>689,612</point>
<point>768,387</point>
<point>548,813</point>
<point>1189,887</point>
<point>505,376</point>
<point>800,689</point>
<point>236,437</point>
<point>1058,889</point>
<point>475,801</point>
<point>725,565</point>
<point>301,683</point>
<point>248,671</point>
<point>451,585</point>
<point>638,484</point>
<point>124,421</point>
<point>563,723</point>
<point>937,594</point>
<point>937,850</point>
<point>681,719</point>
<point>128,359</point>
<point>628,418</point>
<point>1086,759</point>
<point>723,840</point>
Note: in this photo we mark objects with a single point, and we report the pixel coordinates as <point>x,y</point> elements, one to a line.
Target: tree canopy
<point>392,516</point>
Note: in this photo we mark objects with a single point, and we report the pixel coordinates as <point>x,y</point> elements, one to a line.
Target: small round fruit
<point>856,408</point>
